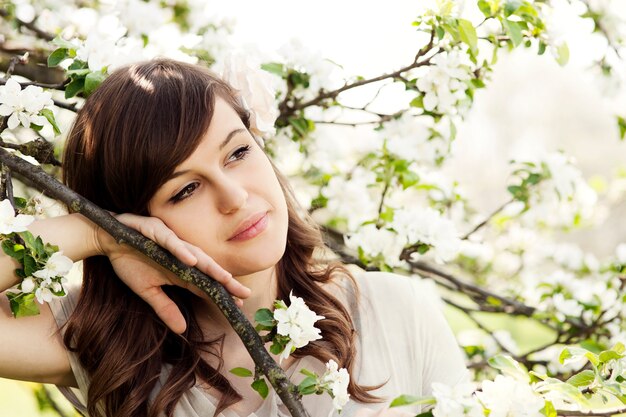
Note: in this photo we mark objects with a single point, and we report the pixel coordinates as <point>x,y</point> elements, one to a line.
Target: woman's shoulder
<point>383,287</point>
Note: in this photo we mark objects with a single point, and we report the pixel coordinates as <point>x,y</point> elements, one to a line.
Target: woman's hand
<point>145,277</point>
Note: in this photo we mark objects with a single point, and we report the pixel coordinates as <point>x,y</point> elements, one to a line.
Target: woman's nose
<point>231,195</point>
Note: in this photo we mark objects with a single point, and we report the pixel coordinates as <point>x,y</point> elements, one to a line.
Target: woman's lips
<point>259,224</point>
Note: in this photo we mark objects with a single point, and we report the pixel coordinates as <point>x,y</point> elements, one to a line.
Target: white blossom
<point>28,285</point>
<point>57,265</point>
<point>444,84</point>
<point>336,380</point>
<point>323,73</point>
<point>23,106</point>
<point>506,396</point>
<point>297,322</point>
<point>43,294</point>
<point>352,199</point>
<point>374,241</point>
<point>428,226</point>
<point>456,401</point>
<point>9,222</point>
<point>410,137</point>
<point>256,86</point>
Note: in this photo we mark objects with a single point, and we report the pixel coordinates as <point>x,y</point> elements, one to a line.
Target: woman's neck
<point>263,286</point>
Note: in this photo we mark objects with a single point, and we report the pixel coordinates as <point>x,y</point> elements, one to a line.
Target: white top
<point>403,337</point>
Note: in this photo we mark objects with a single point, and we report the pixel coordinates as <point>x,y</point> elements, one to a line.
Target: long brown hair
<point>143,121</point>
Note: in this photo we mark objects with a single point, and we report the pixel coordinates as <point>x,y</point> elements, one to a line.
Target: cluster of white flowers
<point>376,241</point>
<point>428,226</point>
<point>507,396</point>
<point>411,137</point>
<point>563,197</point>
<point>456,401</point>
<point>324,74</point>
<point>352,199</point>
<point>23,106</point>
<point>430,9</point>
<point>109,44</point>
<point>410,226</point>
<point>49,280</point>
<point>298,323</point>
<point>257,88</point>
<point>336,380</point>
<point>44,281</point>
<point>445,82</point>
<point>569,295</point>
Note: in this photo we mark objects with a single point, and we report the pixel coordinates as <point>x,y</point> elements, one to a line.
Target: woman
<point>169,145</point>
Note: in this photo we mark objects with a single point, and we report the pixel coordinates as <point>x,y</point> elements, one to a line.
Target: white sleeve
<point>441,357</point>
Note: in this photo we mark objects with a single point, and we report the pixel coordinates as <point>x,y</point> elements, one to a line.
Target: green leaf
<point>417,102</point>
<point>275,68</point>
<point>542,48</point>
<point>62,43</point>
<point>514,31</point>
<point>265,317</point>
<point>306,372</point>
<point>242,372</point>
<point>440,32</point>
<point>562,54</point>
<point>23,305</point>
<point>609,355</point>
<point>28,238</point>
<point>411,399</point>
<point>508,366</point>
<point>74,87</point>
<point>570,392</point>
<point>260,386</point>
<point>92,81</point>
<point>484,7</point>
<point>621,123</point>
<point>277,348</point>
<point>30,265</point>
<point>511,6</point>
<point>582,379</point>
<point>47,113</point>
<point>548,410</point>
<point>14,250</point>
<point>468,34</point>
<point>308,385</point>
<point>39,248</point>
<point>56,57</point>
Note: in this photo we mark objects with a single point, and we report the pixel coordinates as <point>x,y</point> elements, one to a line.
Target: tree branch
<point>123,234</point>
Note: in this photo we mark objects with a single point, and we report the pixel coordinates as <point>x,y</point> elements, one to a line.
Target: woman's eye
<point>240,153</point>
<point>184,193</point>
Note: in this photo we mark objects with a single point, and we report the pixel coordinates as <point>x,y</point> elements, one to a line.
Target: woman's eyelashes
<point>184,193</point>
<point>239,154</point>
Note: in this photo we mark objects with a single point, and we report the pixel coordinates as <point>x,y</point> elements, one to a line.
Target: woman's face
<point>225,186</point>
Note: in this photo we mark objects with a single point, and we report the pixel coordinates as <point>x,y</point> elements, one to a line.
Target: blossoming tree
<point>382,202</point>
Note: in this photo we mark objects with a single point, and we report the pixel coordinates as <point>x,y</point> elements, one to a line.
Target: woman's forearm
<point>74,234</point>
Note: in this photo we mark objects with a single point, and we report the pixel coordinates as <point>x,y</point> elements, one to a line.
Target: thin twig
<point>484,222</point>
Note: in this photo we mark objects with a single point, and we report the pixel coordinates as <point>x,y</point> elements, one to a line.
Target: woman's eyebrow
<point>230,136</point>
<point>222,145</point>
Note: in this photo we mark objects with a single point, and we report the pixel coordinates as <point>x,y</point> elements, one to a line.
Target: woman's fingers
<point>165,308</point>
<point>153,228</point>
<point>208,265</point>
